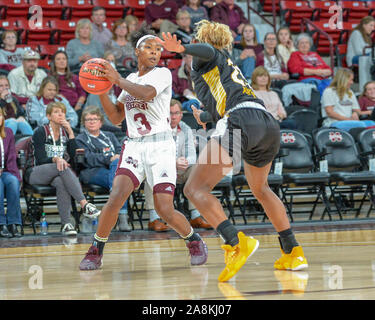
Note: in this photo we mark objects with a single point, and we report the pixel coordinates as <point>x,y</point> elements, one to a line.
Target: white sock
<point>194,214</point>
<point>153,215</point>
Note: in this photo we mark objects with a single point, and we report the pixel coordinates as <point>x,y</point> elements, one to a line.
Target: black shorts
<point>251,134</point>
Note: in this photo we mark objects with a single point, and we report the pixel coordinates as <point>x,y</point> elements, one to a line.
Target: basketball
<point>91,77</point>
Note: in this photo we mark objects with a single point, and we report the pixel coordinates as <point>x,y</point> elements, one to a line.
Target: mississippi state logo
<point>288,137</point>
<point>335,136</point>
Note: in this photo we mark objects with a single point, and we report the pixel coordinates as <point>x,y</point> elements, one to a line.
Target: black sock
<point>228,233</point>
<point>287,240</point>
<point>99,243</point>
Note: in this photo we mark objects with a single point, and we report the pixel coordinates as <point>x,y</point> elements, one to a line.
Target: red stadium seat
<point>354,11</point>
<point>48,50</point>
<point>136,7</point>
<point>267,5</point>
<point>113,8</point>
<point>371,7</point>
<point>293,12</point>
<point>36,33</point>
<point>10,24</point>
<point>78,8</point>
<point>15,8</point>
<point>63,30</point>
<point>173,63</point>
<point>321,9</point>
<point>51,8</point>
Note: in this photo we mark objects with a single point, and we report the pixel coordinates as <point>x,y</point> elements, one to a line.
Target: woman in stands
<point>13,112</point>
<point>10,54</point>
<point>150,151</point>
<point>367,100</point>
<point>69,86</point>
<point>340,107</point>
<point>121,47</point>
<point>261,83</point>
<point>102,153</point>
<point>285,45</point>
<point>54,149</point>
<point>272,61</point>
<point>231,102</point>
<point>196,11</point>
<point>48,92</point>
<point>250,49</point>
<point>10,181</point>
<point>309,65</point>
<point>359,39</point>
<point>82,48</point>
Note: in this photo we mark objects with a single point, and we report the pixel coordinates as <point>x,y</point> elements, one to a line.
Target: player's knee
<point>260,192</point>
<point>164,210</point>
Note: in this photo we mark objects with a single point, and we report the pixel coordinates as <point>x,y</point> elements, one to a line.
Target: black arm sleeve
<point>202,51</point>
<point>39,140</point>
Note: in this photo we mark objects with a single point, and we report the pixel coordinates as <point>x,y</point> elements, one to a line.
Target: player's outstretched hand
<point>110,73</point>
<point>196,114</point>
<point>171,43</point>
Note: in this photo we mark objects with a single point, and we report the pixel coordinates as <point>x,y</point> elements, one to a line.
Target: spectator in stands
<point>196,11</point>
<point>310,67</point>
<point>182,84</point>
<point>272,61</point>
<point>250,49</point>
<point>10,181</point>
<point>121,47</point>
<point>37,105</point>
<point>227,12</point>
<point>209,4</point>
<point>340,107</point>
<point>184,31</point>
<point>261,83</point>
<point>25,80</point>
<point>69,85</point>
<point>102,153</point>
<point>10,54</point>
<point>359,39</point>
<point>114,92</point>
<point>161,15</point>
<point>12,111</point>
<point>367,100</point>
<point>54,151</point>
<point>133,24</point>
<point>83,48</point>
<point>99,32</point>
<point>186,157</point>
<point>285,45</point>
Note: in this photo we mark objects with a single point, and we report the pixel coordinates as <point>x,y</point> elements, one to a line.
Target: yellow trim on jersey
<point>212,78</point>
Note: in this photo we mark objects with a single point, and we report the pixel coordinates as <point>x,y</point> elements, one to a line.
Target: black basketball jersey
<point>220,85</point>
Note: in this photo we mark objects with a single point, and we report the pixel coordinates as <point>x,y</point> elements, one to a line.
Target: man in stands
<point>99,32</point>
<point>26,79</point>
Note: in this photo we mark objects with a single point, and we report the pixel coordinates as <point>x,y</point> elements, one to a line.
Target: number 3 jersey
<point>219,83</point>
<point>144,118</point>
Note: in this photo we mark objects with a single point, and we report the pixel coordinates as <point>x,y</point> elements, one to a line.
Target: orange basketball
<point>91,77</point>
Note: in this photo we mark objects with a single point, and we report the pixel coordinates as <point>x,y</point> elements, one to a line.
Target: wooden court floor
<point>341,266</point>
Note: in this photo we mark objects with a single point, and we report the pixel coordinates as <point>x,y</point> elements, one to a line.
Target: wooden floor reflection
<point>341,266</point>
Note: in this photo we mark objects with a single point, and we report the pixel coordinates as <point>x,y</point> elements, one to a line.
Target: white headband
<point>144,38</point>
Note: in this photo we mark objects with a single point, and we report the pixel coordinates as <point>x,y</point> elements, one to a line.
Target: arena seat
<point>15,8</point>
<point>136,7</point>
<point>36,34</point>
<point>354,11</point>
<point>292,12</point>
<point>349,177</point>
<point>321,9</point>
<point>63,31</point>
<point>78,8</point>
<point>48,50</point>
<point>51,8</point>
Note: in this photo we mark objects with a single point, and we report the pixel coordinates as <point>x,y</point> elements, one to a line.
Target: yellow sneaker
<point>292,261</point>
<point>235,257</point>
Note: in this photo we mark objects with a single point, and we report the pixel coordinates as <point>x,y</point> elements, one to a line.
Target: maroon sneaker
<point>92,260</point>
<point>198,252</point>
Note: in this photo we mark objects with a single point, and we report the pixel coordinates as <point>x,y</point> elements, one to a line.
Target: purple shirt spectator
<point>232,17</point>
<point>10,156</point>
<point>73,91</point>
<point>161,10</point>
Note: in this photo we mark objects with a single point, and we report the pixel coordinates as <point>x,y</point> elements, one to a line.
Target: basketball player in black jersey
<point>231,102</point>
